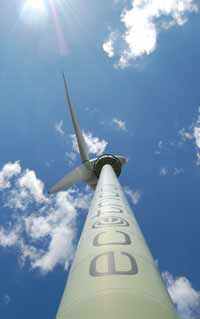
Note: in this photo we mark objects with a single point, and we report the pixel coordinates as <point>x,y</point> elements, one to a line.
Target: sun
<point>34,13</point>
<point>36,5</point>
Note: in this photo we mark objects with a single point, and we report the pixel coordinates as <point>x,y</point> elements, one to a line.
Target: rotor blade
<point>80,139</point>
<point>81,173</point>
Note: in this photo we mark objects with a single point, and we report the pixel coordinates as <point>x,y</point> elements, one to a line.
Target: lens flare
<point>59,31</point>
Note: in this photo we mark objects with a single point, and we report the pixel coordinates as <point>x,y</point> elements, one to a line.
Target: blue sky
<point>133,72</point>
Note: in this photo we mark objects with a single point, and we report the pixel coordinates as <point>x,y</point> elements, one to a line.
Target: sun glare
<point>34,13</point>
<point>35,5</point>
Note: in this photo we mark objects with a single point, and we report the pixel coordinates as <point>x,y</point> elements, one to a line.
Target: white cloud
<point>178,171</point>
<point>135,196</point>
<point>37,226</point>
<point>60,250</point>
<point>41,228</point>
<point>49,163</point>
<point>172,171</point>
<point>185,135</point>
<point>198,159</point>
<point>8,171</point>
<point>121,125</point>
<point>142,22</point>
<point>165,146</point>
<point>197,136</point>
<point>6,299</point>
<point>160,144</point>
<point>71,157</point>
<point>108,45</point>
<point>95,145</point>
<point>8,238</point>
<point>163,171</point>
<point>186,298</point>
<point>159,147</point>
<point>59,128</point>
<point>28,189</point>
<point>33,185</point>
<point>193,134</point>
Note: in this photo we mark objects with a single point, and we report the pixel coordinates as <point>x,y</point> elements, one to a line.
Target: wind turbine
<point>113,275</point>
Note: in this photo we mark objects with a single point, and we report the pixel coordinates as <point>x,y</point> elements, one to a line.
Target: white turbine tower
<point>113,275</point>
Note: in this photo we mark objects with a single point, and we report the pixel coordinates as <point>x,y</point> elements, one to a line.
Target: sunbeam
<point>59,31</point>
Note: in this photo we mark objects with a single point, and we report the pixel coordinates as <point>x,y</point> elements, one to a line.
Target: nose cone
<point>122,159</point>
